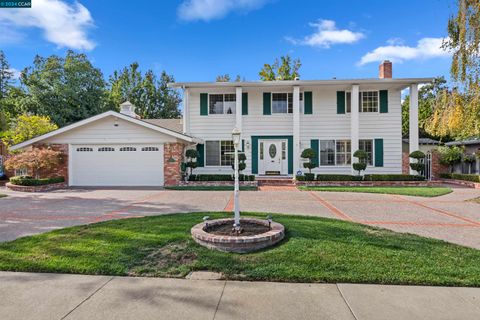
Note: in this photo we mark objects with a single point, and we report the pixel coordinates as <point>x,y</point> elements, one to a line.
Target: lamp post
<point>236,142</point>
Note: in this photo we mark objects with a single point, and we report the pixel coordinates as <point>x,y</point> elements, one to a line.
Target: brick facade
<point>173,158</point>
<point>437,167</point>
<point>405,163</point>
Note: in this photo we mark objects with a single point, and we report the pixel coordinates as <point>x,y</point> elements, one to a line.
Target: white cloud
<point>206,10</point>
<point>16,73</point>
<point>397,52</point>
<point>63,24</point>
<point>327,35</point>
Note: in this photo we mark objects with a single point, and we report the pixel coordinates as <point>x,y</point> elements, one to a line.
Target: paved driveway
<point>449,217</point>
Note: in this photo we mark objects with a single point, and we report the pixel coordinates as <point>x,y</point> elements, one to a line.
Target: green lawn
<point>315,250</point>
<point>405,191</point>
<point>211,188</point>
<point>3,195</point>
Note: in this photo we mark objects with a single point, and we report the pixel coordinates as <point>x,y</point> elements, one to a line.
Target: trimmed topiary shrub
<point>191,155</point>
<point>309,154</point>
<point>361,165</point>
<point>418,166</point>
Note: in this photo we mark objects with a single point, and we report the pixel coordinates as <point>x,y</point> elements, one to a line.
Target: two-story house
<point>277,120</point>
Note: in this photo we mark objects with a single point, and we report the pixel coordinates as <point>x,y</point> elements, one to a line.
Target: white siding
<point>324,123</point>
<point>105,131</point>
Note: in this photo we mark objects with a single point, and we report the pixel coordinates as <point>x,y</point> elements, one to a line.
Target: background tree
<point>152,97</point>
<point>26,127</point>
<point>426,102</point>
<point>65,89</point>
<point>284,70</point>
<point>6,80</point>
<point>223,78</point>
<point>450,156</point>
<point>464,41</point>
<point>34,160</point>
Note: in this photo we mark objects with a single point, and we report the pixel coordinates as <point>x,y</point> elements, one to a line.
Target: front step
<point>281,181</point>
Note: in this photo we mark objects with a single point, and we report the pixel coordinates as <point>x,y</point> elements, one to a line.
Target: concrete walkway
<point>61,296</point>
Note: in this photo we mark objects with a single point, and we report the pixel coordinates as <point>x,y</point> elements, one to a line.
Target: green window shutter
<point>204,104</point>
<point>267,103</point>
<point>378,152</point>
<point>244,103</point>
<point>201,155</point>
<point>340,102</point>
<point>315,146</point>
<point>308,102</point>
<point>254,155</point>
<point>383,101</point>
<point>243,145</point>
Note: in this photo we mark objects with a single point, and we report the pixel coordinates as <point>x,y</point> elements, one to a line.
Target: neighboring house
<point>470,146</point>
<point>278,119</point>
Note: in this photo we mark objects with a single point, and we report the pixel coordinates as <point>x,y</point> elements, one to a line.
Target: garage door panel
<point>117,165</point>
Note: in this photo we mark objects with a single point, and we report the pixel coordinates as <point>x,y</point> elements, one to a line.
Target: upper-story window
<point>367,101</point>
<point>283,102</point>
<point>222,103</point>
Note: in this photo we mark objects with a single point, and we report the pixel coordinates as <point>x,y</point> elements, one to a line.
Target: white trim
<point>70,165</point>
<point>101,116</point>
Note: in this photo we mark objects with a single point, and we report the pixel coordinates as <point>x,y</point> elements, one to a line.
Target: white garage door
<point>117,165</point>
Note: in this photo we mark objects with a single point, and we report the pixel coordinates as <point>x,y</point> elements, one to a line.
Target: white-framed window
<point>261,150</point>
<point>284,150</point>
<point>327,152</point>
<point>85,149</point>
<point>219,153</point>
<point>367,146</point>
<point>335,152</point>
<point>128,149</point>
<point>343,152</point>
<point>368,101</point>
<point>283,102</point>
<point>149,149</point>
<point>106,149</point>
<point>21,172</point>
<point>222,103</point>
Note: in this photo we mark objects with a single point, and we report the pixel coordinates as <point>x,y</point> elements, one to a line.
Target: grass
<point>314,250</point>
<point>476,200</point>
<point>3,195</point>
<point>211,188</point>
<point>405,191</point>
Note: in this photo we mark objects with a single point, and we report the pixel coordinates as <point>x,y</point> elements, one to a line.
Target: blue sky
<point>195,40</point>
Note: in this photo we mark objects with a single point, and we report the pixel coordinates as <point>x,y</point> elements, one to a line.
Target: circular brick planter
<point>238,244</point>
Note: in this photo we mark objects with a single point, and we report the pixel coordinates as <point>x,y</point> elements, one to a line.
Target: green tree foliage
<point>426,101</point>
<point>151,95</point>
<point>223,78</point>
<point>361,165</point>
<point>191,155</point>
<point>450,155</point>
<point>241,162</point>
<point>66,89</point>
<point>286,69</point>
<point>309,154</point>
<point>464,41</point>
<point>6,80</point>
<point>26,127</point>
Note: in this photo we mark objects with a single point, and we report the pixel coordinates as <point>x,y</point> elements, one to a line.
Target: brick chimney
<point>385,70</point>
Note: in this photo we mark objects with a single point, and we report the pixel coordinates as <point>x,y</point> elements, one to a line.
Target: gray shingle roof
<point>170,124</point>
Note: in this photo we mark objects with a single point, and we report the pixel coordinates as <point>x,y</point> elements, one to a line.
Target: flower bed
<point>30,184</point>
<point>39,188</point>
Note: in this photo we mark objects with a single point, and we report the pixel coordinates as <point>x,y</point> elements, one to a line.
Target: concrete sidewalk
<point>61,296</point>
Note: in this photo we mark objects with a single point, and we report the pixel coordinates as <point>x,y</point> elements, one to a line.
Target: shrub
<point>191,155</point>
<point>35,160</point>
<point>309,176</point>
<point>459,176</point>
<point>300,178</point>
<point>361,165</point>
<point>338,177</point>
<point>309,154</point>
<point>219,177</point>
<point>241,162</point>
<point>393,177</point>
<point>30,181</point>
<point>418,166</point>
<point>450,156</point>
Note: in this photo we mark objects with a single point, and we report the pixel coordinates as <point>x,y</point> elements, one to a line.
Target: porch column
<point>413,119</point>
<point>186,114</point>
<point>354,123</point>
<point>238,109</point>
<point>296,129</point>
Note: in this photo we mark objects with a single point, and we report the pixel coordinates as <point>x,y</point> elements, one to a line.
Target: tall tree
<point>464,41</point>
<point>223,78</point>
<point>151,95</point>
<point>6,80</point>
<point>26,127</point>
<point>426,101</point>
<point>286,69</point>
<point>65,89</point>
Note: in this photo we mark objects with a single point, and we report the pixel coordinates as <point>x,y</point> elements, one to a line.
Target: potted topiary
<point>418,166</point>
<point>191,163</point>
<point>309,154</point>
<point>361,165</point>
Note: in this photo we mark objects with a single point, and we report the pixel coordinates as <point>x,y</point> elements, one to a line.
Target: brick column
<point>173,158</point>
<point>437,167</point>
<point>405,163</point>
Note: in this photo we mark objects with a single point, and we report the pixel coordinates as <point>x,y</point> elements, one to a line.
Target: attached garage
<point>118,150</point>
<point>117,165</point>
